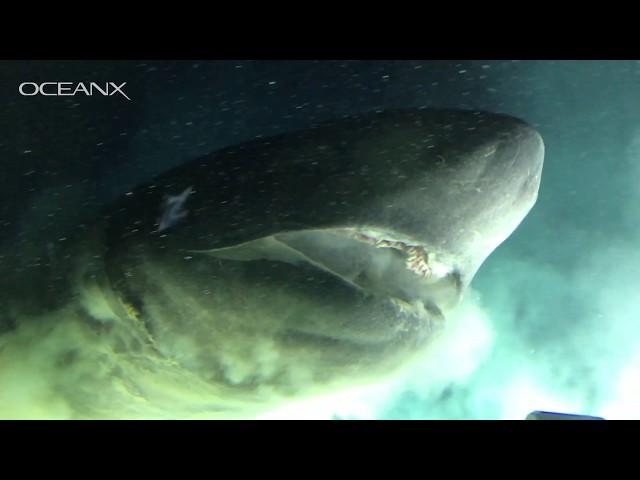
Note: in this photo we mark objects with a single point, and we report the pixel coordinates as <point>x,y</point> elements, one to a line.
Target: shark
<point>289,266</point>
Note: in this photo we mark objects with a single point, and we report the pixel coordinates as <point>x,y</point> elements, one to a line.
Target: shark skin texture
<point>290,266</point>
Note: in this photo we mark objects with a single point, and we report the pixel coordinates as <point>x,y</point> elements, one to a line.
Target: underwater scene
<point>320,239</point>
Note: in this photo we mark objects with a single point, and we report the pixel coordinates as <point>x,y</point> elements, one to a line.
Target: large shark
<point>287,266</point>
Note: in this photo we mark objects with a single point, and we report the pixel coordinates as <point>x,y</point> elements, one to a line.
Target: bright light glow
<point>523,395</point>
<point>624,404</point>
<point>363,403</point>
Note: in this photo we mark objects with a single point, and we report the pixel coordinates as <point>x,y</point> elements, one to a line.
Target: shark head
<point>317,258</point>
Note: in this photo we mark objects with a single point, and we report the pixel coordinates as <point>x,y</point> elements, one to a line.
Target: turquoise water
<point>560,294</point>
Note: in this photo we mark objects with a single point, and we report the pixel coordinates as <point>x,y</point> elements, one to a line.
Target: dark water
<point>555,317</point>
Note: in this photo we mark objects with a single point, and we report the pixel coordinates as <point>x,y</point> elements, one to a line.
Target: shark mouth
<point>412,275</point>
<point>419,259</point>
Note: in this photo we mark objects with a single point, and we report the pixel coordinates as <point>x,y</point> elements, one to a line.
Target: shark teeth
<point>418,259</point>
<point>390,244</point>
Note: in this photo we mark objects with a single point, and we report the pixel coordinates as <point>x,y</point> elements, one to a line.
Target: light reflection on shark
<point>173,209</point>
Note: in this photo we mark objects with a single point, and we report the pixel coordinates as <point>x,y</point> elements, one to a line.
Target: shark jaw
<point>415,277</point>
<point>311,261</point>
